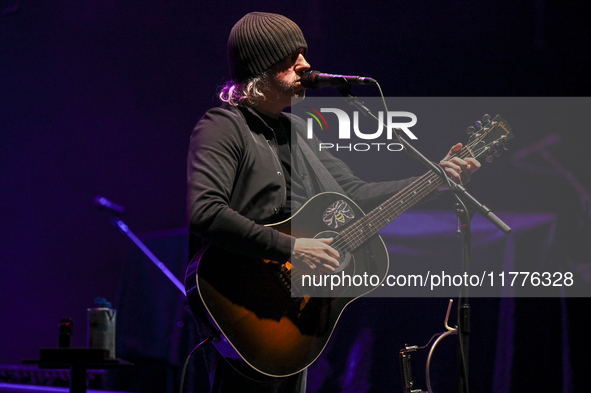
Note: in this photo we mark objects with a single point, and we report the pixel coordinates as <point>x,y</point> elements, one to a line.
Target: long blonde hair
<point>248,93</point>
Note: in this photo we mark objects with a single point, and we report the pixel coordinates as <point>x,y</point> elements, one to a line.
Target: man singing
<point>241,176</point>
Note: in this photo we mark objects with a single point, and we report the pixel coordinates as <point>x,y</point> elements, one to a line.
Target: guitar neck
<point>369,225</point>
<point>488,139</point>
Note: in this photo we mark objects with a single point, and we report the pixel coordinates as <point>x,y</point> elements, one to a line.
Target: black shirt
<point>296,193</point>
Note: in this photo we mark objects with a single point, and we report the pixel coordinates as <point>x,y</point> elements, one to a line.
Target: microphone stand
<point>118,223</point>
<point>116,210</point>
<point>457,189</point>
<point>465,214</point>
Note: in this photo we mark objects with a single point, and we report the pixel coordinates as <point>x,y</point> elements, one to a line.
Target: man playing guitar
<point>241,178</point>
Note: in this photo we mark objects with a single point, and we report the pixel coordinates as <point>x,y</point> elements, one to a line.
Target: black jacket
<point>236,183</point>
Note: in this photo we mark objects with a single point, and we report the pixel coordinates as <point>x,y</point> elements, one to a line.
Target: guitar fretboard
<point>369,225</point>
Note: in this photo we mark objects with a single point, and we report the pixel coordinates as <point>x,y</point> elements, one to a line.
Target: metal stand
<point>116,210</point>
<point>465,215</point>
<point>116,221</point>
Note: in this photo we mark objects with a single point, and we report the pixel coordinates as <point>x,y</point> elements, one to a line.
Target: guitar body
<point>251,303</point>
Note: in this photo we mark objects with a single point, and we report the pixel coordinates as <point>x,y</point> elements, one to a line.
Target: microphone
<point>550,140</point>
<point>317,79</point>
<point>104,203</point>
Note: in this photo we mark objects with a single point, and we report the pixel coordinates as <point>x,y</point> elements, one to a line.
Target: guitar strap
<point>326,180</point>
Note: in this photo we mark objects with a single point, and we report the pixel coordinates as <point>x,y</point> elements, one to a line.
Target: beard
<point>288,89</point>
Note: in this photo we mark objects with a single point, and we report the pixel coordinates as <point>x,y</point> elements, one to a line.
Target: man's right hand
<point>315,255</point>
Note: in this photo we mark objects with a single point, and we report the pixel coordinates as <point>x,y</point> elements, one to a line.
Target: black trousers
<point>232,375</point>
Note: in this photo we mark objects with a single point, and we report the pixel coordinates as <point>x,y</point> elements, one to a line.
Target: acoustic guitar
<point>279,320</point>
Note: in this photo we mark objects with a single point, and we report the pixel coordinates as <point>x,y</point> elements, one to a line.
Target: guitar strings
<point>427,182</point>
<point>352,237</point>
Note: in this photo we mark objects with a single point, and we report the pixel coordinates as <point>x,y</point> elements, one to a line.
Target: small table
<point>78,360</point>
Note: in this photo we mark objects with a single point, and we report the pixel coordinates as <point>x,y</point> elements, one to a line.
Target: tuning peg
<point>478,125</point>
<point>490,158</point>
<point>505,147</point>
<point>486,119</point>
<point>471,130</point>
<point>498,153</point>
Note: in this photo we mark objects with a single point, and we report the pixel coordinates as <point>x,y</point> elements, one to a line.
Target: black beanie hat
<point>260,40</point>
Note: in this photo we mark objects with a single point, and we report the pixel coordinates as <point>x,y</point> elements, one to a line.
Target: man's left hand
<point>460,170</point>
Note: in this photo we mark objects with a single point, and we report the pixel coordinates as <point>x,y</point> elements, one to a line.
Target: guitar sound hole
<point>345,257</point>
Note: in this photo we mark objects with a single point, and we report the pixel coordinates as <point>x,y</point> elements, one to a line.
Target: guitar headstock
<point>489,137</point>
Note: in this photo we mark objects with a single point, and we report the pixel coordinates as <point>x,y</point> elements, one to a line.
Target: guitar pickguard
<point>338,214</point>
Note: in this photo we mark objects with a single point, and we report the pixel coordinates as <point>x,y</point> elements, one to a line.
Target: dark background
<point>101,97</point>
